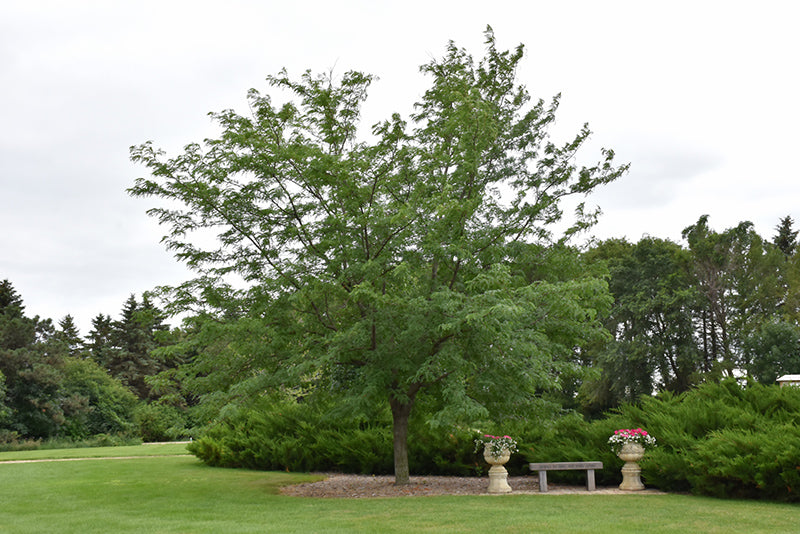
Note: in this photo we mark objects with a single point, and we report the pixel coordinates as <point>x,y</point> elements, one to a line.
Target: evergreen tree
<point>10,301</point>
<point>98,343</point>
<point>69,334</point>
<point>125,347</point>
<point>15,330</point>
<point>786,238</point>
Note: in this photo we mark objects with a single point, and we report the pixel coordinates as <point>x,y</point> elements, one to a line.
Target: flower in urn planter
<point>497,445</point>
<point>624,436</point>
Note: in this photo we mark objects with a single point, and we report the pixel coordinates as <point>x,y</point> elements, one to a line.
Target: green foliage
<point>159,422</point>
<point>32,363</point>
<point>738,277</point>
<point>726,304</point>
<point>4,410</point>
<point>110,404</point>
<point>55,388</point>
<point>772,351</point>
<point>12,442</point>
<point>723,440</point>
<point>295,437</point>
<point>214,363</point>
<point>68,334</point>
<point>742,463</point>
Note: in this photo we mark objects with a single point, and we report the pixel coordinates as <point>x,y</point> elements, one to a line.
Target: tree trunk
<point>400,413</point>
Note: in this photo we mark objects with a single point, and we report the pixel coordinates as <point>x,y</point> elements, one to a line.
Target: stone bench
<point>543,468</point>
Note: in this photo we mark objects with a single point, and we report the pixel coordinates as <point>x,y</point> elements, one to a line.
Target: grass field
<point>167,494</point>
<point>148,449</point>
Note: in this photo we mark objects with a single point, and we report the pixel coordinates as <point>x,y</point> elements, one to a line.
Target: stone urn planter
<point>498,476</point>
<point>631,454</point>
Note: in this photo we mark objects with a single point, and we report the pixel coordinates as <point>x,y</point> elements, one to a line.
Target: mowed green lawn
<point>179,494</point>
<point>148,449</point>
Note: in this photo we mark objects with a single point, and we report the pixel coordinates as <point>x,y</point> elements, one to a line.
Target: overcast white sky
<point>702,98</point>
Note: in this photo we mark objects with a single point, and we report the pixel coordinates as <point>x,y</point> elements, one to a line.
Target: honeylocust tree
<point>392,263</point>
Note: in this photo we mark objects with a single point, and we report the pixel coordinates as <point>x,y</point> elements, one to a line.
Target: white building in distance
<point>789,380</point>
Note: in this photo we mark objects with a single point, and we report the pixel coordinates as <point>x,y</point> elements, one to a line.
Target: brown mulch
<point>361,486</point>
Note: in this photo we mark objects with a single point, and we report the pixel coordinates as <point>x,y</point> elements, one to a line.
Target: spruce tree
<point>786,238</point>
<point>124,347</point>
<point>69,334</point>
<point>16,330</point>
<point>10,301</point>
<point>98,342</point>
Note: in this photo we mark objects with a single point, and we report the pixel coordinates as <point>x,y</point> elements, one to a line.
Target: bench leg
<point>590,479</point>
<point>543,481</point>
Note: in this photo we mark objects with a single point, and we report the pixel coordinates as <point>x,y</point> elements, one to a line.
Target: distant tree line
<point>56,384</point>
<point>727,304</point>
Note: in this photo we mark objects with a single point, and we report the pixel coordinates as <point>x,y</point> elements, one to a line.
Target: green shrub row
<point>726,440</point>
<point>721,439</point>
<point>307,437</point>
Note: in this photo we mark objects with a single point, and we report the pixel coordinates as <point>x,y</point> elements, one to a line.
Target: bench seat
<point>543,468</point>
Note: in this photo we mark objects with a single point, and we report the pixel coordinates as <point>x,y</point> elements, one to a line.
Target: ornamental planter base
<point>631,453</point>
<point>498,480</point>
<point>630,477</point>
<point>498,476</point>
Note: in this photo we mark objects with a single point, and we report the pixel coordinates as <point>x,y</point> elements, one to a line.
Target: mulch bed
<point>361,486</point>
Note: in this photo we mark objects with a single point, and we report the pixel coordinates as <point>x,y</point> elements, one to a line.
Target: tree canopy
<point>393,264</point>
